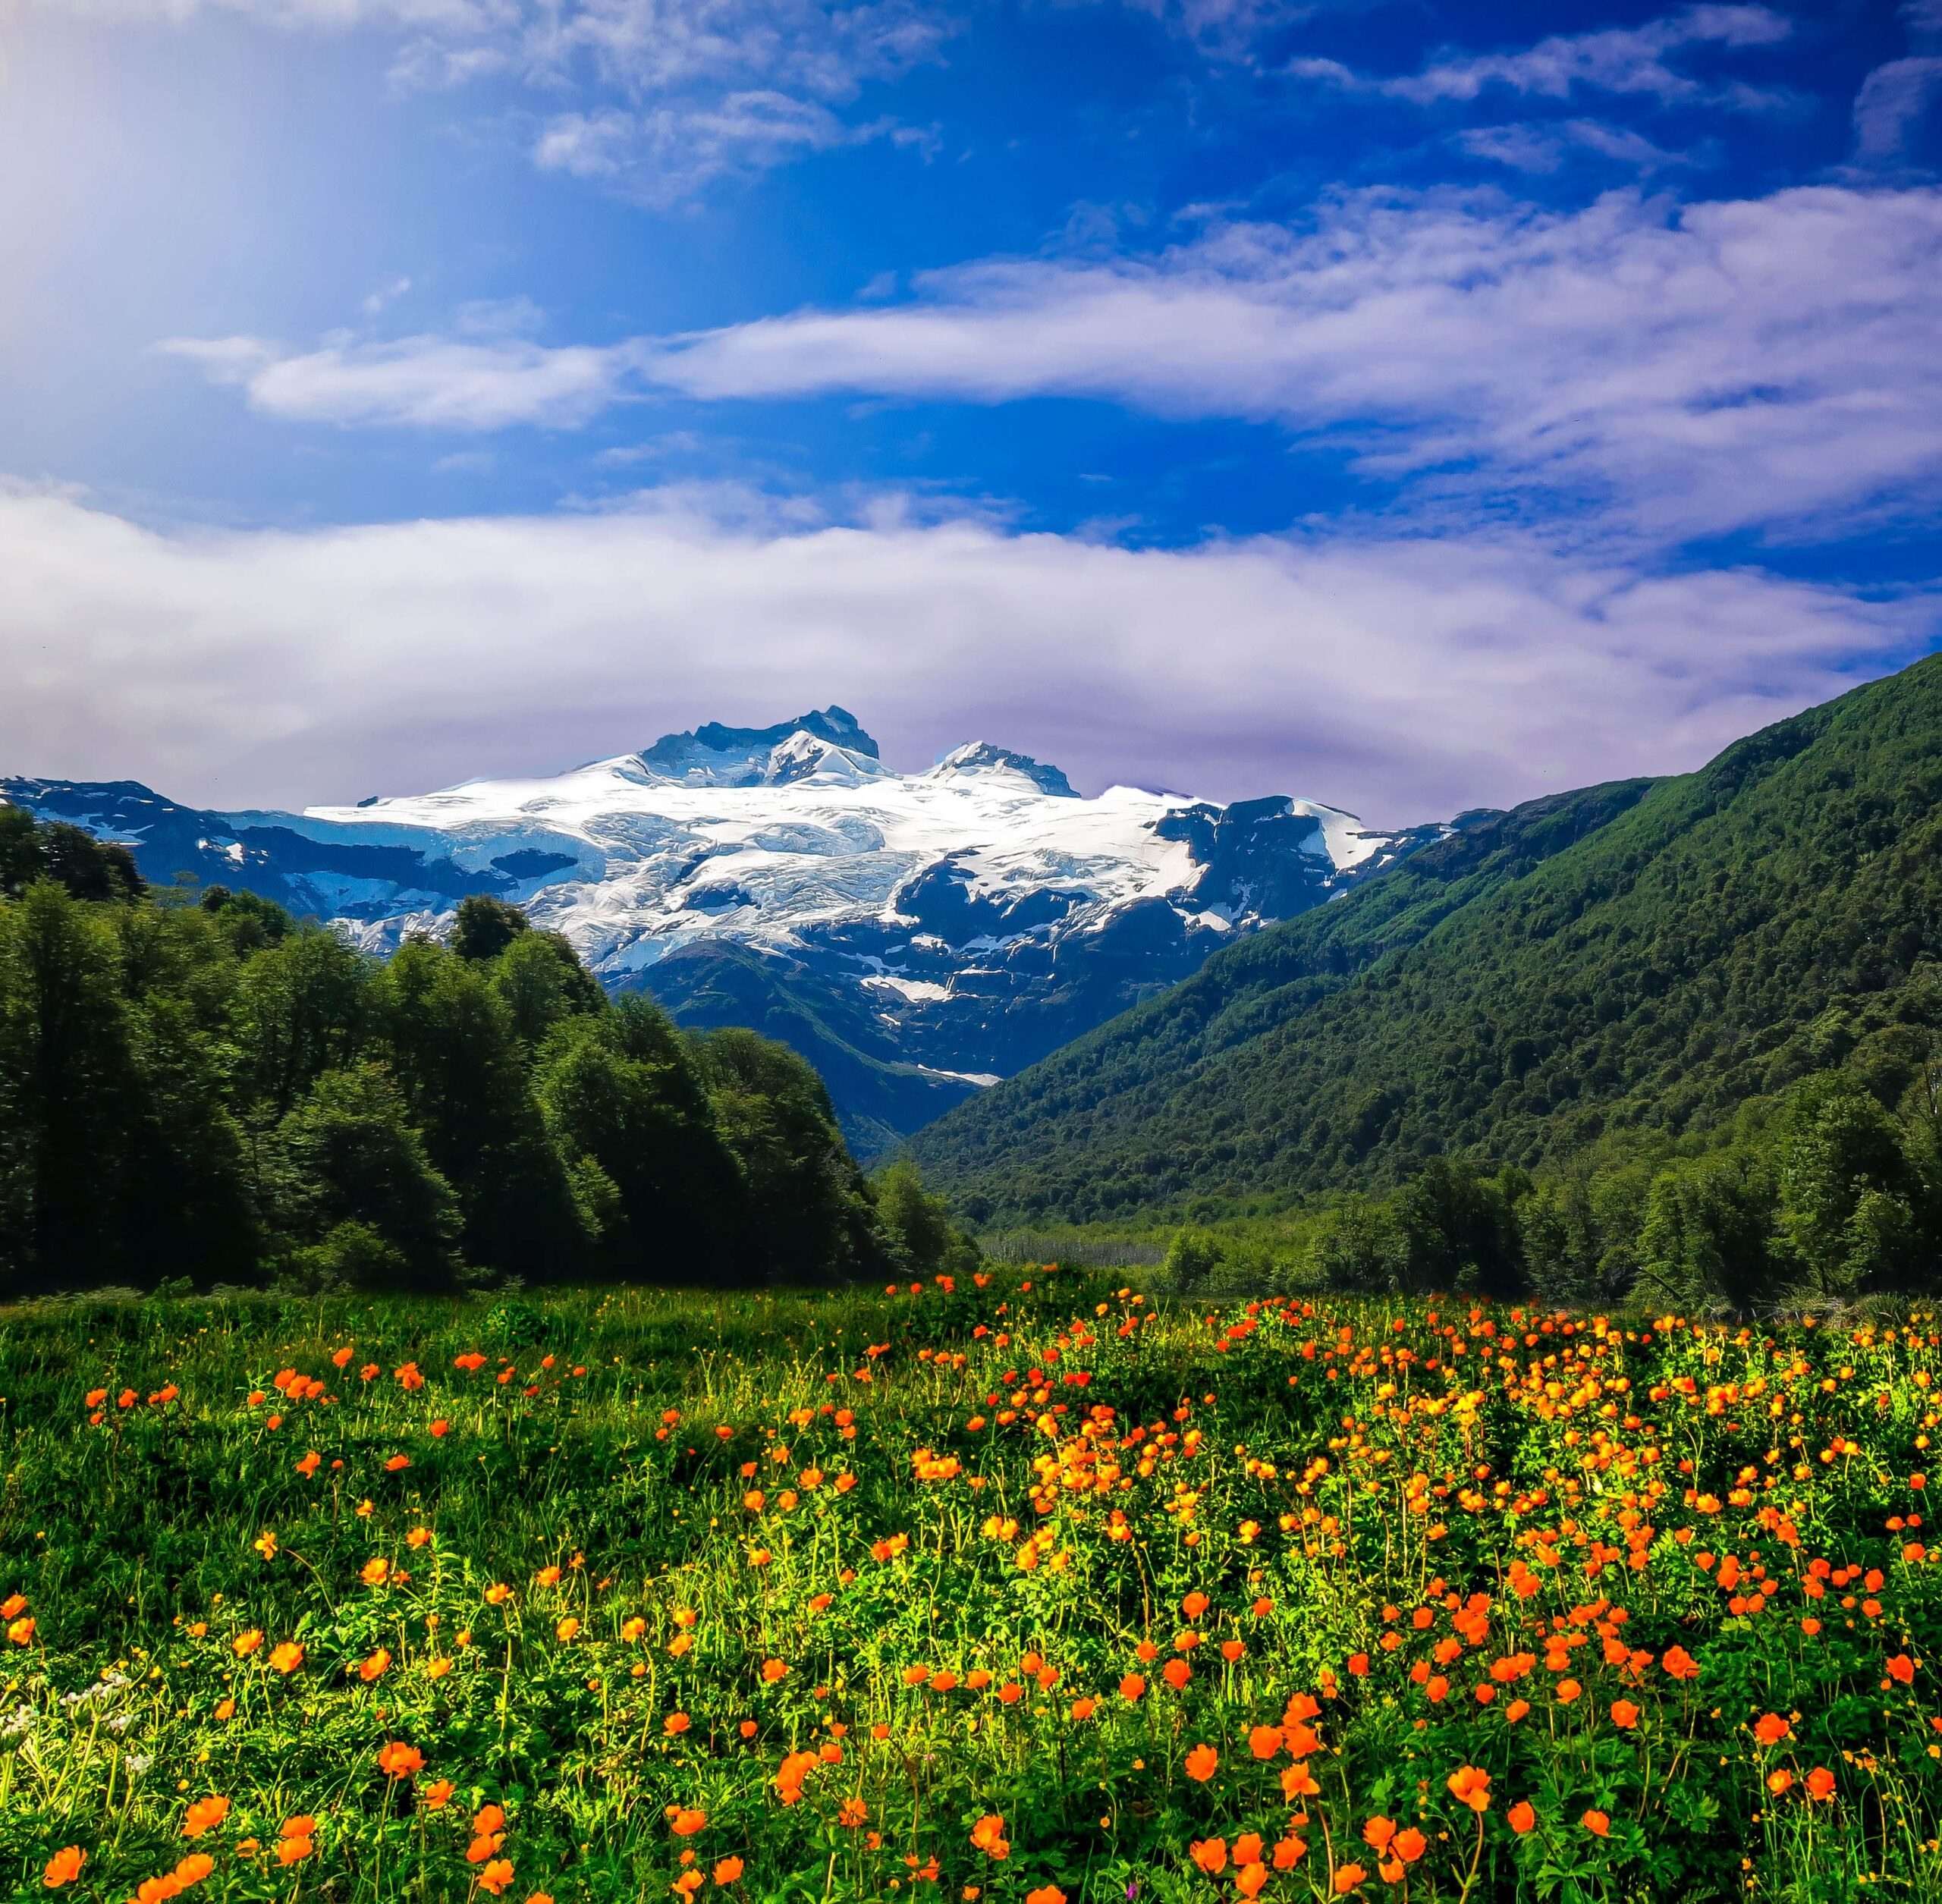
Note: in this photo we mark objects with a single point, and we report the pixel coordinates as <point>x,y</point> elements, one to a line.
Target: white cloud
<point>1403,679</point>
<point>1892,99</point>
<point>1543,146</point>
<point>1694,369</point>
<point>1703,367</point>
<point>663,155</point>
<point>1617,59</point>
<point>711,86</point>
<point>428,382</point>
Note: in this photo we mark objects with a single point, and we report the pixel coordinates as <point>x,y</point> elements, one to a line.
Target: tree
<point>70,1088</point>
<point>347,1165</point>
<point>302,1009</point>
<point>917,1229</point>
<point>808,1214</point>
<point>1703,1247</point>
<point>452,1051</point>
<point>541,981</point>
<point>627,1110</point>
<point>1838,1150</point>
<point>483,927</point>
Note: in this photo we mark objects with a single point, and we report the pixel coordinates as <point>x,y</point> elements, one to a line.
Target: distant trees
<point>1824,1194</point>
<point>214,1091</point>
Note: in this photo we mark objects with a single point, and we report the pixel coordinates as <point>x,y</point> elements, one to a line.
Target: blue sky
<point>1410,405</point>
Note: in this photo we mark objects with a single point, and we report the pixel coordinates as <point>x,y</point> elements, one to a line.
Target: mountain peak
<point>717,755</point>
<point>977,757</point>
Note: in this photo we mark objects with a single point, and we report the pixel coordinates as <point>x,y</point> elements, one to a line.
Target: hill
<point>1644,957</point>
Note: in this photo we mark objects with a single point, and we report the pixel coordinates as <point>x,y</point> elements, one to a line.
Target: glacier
<point>917,936</point>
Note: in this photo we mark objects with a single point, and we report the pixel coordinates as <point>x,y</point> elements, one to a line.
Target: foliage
<point>1009,1586</point>
<point>1612,973</point>
<point>213,1091</point>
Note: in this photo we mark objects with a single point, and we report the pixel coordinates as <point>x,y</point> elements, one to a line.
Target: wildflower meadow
<point>1020,1587</point>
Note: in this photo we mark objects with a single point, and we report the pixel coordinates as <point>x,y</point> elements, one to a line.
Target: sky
<point>1406,404</point>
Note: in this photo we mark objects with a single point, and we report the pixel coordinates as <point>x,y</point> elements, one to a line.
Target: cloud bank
<point>1402,679</point>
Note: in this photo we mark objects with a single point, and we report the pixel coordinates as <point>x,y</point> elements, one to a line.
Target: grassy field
<point>1019,1592</point>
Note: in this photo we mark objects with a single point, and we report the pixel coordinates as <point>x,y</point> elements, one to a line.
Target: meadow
<point>1020,1587</point>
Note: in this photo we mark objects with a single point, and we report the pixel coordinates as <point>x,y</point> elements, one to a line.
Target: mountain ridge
<point>915,934</point>
<point>1648,955</point>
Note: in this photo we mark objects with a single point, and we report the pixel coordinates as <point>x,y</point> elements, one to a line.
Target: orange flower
<point>1598,1823</point>
<point>1771,1729</point>
<point>1376,1834</point>
<point>193,1868</point>
<point>437,1796</point>
<point>687,1822</point>
<point>1132,1687</point>
<point>392,1465</point>
<point>489,1818</point>
<point>988,1834</point>
<point>244,1645</point>
<point>1211,1854</point>
<point>1176,1673</point>
<point>1520,1817</point>
<point>293,1851</point>
<point>1567,1690</point>
<point>854,1812</point>
<point>1820,1783</point>
<point>63,1866</point>
<point>288,1657</point>
<point>1469,1785</point>
<point>1202,1763</point>
<point>1680,1664</point>
<point>1624,1714</point>
<point>1347,1878</point>
<point>397,1760</point>
<point>675,1724</point>
<point>1901,1669</point>
<point>154,1890</point>
<point>204,1815</point>
<point>1264,1741</point>
<point>772,1670</point>
<point>728,1870</point>
<point>1410,1845</point>
<point>1045,1894</point>
<point>376,1569</point>
<point>567,1629</point>
<point>1297,1782</point>
<point>496,1875</point>
<point>1250,1879</point>
<point>1780,1783</point>
<point>376,1666</point>
<point>302,1826</point>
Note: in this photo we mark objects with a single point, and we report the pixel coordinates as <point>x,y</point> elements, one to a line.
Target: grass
<point>1021,1592</point>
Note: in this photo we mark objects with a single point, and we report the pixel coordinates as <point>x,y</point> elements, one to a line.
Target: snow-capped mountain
<point>916,935</point>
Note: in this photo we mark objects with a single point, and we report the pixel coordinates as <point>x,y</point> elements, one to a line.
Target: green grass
<point>1337,1484</point>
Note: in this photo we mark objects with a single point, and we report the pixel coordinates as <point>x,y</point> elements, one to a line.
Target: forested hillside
<point>206,1090</point>
<point>1627,964</point>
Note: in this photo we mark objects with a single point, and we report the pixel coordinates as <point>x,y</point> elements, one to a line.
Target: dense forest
<point>1586,991</point>
<point>197,1088</point>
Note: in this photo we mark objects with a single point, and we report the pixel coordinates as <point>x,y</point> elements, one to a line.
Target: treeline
<point>206,1090</point>
<point>1831,1195</point>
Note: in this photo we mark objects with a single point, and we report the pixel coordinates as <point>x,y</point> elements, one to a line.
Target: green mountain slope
<point>1645,953</point>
